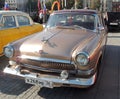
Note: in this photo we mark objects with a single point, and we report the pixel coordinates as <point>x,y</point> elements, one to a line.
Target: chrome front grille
<point>48,65</point>
<point>55,65</point>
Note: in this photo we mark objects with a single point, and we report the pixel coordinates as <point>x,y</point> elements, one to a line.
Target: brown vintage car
<point>65,53</point>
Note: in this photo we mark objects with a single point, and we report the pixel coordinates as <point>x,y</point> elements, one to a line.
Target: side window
<point>8,22</point>
<point>23,20</point>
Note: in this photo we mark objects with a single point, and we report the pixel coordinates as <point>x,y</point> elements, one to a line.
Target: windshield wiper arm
<point>77,26</point>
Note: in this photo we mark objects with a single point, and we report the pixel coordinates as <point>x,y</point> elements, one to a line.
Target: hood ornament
<point>44,40</point>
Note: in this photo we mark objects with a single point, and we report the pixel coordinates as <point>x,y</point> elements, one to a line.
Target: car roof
<point>89,11</point>
<point>12,12</point>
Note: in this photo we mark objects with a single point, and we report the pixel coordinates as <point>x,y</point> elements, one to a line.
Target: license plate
<point>113,23</point>
<point>37,81</point>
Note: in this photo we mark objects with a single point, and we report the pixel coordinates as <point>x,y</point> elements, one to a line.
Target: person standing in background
<point>44,13</point>
<point>41,16</point>
<point>40,12</point>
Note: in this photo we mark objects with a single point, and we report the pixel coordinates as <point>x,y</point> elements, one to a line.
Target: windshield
<point>77,19</point>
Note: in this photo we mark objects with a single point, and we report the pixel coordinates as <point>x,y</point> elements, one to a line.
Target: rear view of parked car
<point>15,25</point>
<point>113,21</point>
<point>65,53</point>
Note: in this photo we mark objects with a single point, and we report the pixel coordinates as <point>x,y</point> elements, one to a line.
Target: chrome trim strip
<point>40,68</point>
<point>86,82</point>
<point>44,59</point>
<point>45,69</point>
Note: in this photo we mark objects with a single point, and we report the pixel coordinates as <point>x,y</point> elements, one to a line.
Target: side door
<point>9,31</point>
<point>0,45</point>
<point>1,25</point>
<point>102,30</point>
<point>0,35</point>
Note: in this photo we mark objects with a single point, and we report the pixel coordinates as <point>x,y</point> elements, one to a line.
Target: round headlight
<point>8,51</point>
<point>82,59</point>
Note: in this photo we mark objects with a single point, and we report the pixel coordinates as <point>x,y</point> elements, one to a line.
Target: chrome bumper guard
<point>55,80</point>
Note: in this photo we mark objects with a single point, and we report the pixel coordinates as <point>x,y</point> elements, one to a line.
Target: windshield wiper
<point>77,26</point>
<point>65,27</point>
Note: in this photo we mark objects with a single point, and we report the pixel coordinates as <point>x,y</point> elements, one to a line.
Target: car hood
<point>56,43</point>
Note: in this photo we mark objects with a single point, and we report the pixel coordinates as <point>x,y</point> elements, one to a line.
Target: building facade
<point>17,4</point>
<point>105,5</point>
<point>113,5</point>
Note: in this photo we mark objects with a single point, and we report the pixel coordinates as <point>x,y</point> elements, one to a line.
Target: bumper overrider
<point>51,81</point>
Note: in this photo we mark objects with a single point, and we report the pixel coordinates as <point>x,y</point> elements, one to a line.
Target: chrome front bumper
<point>57,81</point>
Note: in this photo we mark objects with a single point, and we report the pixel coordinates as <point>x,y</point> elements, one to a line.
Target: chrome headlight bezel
<point>82,59</point>
<point>8,51</point>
